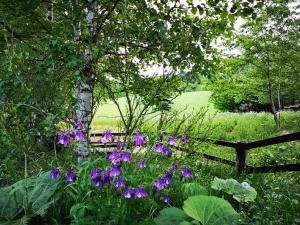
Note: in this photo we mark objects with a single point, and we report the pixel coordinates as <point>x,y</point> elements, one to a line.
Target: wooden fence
<point>241,151</point>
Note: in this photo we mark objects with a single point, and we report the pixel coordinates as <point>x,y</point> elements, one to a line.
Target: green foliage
<point>242,192</point>
<point>191,189</point>
<point>264,76</point>
<point>210,210</point>
<point>27,198</point>
<point>170,216</point>
<point>207,210</point>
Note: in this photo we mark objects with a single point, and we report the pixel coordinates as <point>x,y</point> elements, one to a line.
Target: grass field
<point>108,116</point>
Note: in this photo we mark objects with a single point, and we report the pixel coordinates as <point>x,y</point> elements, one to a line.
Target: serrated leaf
<point>210,210</point>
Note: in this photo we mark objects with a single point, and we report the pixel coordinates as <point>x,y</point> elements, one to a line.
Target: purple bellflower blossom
<point>107,137</point>
<point>165,150</point>
<point>186,172</point>
<point>114,157</point>
<point>95,173</point>
<point>126,157</point>
<point>166,199</point>
<point>168,180</point>
<point>142,164</point>
<point>160,184</point>
<point>63,139</point>
<point>106,176</point>
<point>54,173</point>
<point>70,177</point>
<point>115,171</point>
<point>139,139</point>
<point>120,145</point>
<point>119,183</point>
<point>78,126</point>
<point>169,153</point>
<point>140,193</point>
<point>159,148</point>
<point>172,141</point>
<point>183,138</point>
<point>175,166</point>
<point>129,193</point>
<point>161,136</point>
<point>79,136</point>
<point>97,182</point>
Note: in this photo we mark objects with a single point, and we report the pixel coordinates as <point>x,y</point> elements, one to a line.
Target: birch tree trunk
<point>83,90</point>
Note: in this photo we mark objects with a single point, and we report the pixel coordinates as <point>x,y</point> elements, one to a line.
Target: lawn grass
<point>108,115</point>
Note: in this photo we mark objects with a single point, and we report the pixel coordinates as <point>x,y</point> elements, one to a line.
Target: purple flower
<point>79,136</point>
<point>142,164</point>
<point>97,182</point>
<point>71,176</point>
<point>78,126</point>
<point>159,148</point>
<point>107,137</point>
<point>63,139</point>
<point>166,199</point>
<point>172,141</point>
<point>129,193</point>
<point>115,171</point>
<point>140,193</point>
<point>169,174</point>
<point>183,138</point>
<point>174,166</point>
<point>95,173</point>
<point>114,157</point>
<point>161,136</point>
<point>169,153</point>
<point>160,184</point>
<point>186,172</point>
<point>119,183</point>
<point>126,157</point>
<point>54,173</point>
<point>168,180</point>
<point>139,139</point>
<point>165,150</point>
<point>106,176</point>
<point>120,145</point>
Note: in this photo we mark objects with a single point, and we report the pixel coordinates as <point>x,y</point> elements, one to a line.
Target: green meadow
<point>108,115</point>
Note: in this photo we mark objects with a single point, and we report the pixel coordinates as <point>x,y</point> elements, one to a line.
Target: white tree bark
<point>84,90</point>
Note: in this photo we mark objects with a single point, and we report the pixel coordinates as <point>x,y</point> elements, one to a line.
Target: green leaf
<point>191,189</point>
<point>170,216</point>
<point>194,10</point>
<point>242,192</point>
<point>210,210</point>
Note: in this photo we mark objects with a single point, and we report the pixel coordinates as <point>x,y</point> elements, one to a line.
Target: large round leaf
<point>170,216</point>
<point>242,192</point>
<point>210,210</point>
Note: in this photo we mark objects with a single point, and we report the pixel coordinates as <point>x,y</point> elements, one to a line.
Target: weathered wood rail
<point>241,151</point>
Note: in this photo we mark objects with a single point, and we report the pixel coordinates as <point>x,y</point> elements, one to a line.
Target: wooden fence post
<point>241,154</point>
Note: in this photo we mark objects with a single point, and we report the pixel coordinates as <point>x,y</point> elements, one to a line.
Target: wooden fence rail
<point>241,151</point>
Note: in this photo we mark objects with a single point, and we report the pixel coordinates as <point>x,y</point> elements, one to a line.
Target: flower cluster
<point>113,175</point>
<point>165,150</point>
<point>75,133</point>
<point>172,140</point>
<point>166,180</point>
